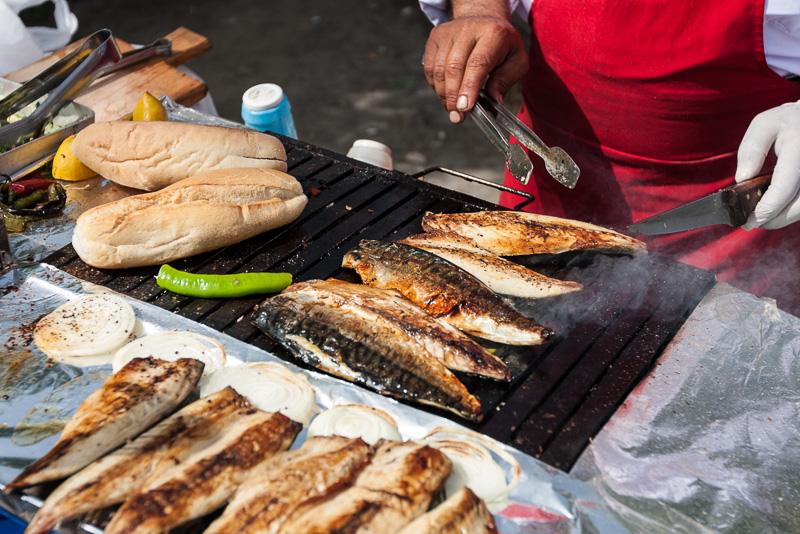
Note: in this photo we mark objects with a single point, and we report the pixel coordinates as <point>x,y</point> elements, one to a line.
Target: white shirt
<point>781,29</point>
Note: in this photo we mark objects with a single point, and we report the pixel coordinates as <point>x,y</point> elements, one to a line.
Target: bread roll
<point>198,214</point>
<point>151,155</point>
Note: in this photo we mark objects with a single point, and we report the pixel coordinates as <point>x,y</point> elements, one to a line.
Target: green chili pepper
<point>30,200</point>
<point>221,285</point>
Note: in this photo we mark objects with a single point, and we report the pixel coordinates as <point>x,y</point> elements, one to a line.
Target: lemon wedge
<point>149,108</point>
<point>67,166</point>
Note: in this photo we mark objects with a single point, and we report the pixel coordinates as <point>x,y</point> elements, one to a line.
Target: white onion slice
<point>269,386</point>
<point>86,330</point>
<point>475,466</point>
<point>355,421</point>
<point>172,346</point>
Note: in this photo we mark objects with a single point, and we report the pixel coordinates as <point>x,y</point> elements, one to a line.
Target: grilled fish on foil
<point>396,487</point>
<point>114,477</point>
<point>203,467</point>
<point>513,233</point>
<point>131,400</point>
<point>462,513</point>
<point>279,487</point>
<point>499,274</point>
<point>443,341</point>
<point>378,355</point>
<point>444,290</point>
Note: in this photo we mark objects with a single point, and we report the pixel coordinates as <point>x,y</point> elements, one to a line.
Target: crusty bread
<point>151,155</point>
<point>198,214</point>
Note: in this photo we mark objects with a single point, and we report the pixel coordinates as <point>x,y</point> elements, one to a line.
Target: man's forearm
<point>481,8</point>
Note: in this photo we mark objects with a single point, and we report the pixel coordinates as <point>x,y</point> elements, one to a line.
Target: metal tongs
<point>493,118</point>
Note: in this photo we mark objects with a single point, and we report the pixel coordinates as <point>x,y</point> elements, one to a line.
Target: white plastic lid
<point>372,152</point>
<point>262,96</point>
<point>369,143</point>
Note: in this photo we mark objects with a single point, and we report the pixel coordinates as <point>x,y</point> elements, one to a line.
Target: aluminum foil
<point>710,441</point>
<point>37,397</point>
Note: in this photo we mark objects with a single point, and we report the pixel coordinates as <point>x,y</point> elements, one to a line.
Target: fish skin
<point>514,233</point>
<point>114,477</point>
<point>279,487</point>
<point>443,341</point>
<point>396,487</point>
<point>203,468</point>
<point>462,513</point>
<point>444,290</point>
<point>344,345</point>
<point>499,275</point>
<point>130,401</point>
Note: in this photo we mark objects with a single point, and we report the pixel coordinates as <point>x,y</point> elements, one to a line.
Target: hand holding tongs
<point>491,117</point>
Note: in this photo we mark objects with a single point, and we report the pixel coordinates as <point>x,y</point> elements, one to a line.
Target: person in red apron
<point>659,103</point>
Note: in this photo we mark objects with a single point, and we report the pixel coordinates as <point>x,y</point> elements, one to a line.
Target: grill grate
<point>608,335</point>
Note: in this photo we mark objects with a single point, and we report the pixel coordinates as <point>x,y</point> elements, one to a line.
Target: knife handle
<point>744,196</point>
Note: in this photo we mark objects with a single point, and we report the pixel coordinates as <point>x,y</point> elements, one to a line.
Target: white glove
<point>779,126</point>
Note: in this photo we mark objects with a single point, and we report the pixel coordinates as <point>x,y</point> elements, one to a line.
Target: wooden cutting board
<point>114,96</point>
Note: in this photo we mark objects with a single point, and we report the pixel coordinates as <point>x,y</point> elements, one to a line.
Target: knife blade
<point>730,205</point>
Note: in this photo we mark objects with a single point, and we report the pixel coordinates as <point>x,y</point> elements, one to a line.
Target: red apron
<point>651,98</point>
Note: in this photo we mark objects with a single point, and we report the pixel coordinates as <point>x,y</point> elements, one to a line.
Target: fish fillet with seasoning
<point>130,401</point>
<point>457,351</point>
<point>444,290</point>
<point>377,355</point>
<point>462,513</point>
<point>514,233</point>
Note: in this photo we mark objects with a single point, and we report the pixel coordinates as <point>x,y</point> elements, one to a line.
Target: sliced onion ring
<point>171,346</point>
<point>355,421</point>
<point>269,386</point>
<point>89,327</point>
<point>475,466</point>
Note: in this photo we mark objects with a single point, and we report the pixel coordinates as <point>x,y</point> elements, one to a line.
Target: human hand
<point>465,54</point>
<point>780,126</point>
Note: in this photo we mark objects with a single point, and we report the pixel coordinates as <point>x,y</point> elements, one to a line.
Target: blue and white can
<point>266,108</point>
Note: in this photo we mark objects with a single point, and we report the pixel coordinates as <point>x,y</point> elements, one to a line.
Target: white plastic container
<point>371,152</point>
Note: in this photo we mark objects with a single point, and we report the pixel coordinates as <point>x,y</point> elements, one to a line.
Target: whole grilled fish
<point>445,290</point>
<point>203,467</point>
<point>462,513</point>
<point>130,401</point>
<point>513,233</point>
<point>114,477</point>
<point>499,275</point>
<point>335,340</point>
<point>391,491</point>
<point>279,487</point>
<point>443,341</point>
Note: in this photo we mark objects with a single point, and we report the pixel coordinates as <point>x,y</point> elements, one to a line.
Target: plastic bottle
<point>372,152</point>
<point>266,108</point>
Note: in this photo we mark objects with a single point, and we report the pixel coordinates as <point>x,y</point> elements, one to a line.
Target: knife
<point>731,205</point>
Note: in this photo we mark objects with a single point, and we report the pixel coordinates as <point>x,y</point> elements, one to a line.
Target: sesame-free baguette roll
<point>151,155</point>
<point>198,214</point>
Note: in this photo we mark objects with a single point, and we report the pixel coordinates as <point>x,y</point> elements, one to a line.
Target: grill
<point>608,335</point>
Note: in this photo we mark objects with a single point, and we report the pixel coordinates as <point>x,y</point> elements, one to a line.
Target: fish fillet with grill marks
<point>202,469</point>
<point>131,400</point>
<point>396,487</point>
<point>114,477</point>
<point>277,488</point>
<point>462,513</point>
<point>443,341</point>
<point>338,341</point>
<point>513,233</point>
<point>499,274</point>
<point>444,290</point>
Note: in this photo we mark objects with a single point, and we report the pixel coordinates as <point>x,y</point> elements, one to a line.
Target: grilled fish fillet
<point>462,513</point>
<point>130,401</point>
<point>203,468</point>
<point>337,341</point>
<point>444,290</point>
<point>391,491</point>
<point>512,233</point>
<point>499,275</point>
<point>275,489</point>
<point>443,341</point>
<point>114,477</point>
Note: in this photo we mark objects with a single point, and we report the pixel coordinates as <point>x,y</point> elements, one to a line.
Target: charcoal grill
<point>608,335</point>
